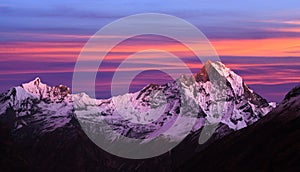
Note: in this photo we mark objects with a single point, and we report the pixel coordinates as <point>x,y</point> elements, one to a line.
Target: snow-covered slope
<point>38,106</point>
<point>144,114</point>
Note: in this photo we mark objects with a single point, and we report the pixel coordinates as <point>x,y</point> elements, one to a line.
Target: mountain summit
<point>43,91</point>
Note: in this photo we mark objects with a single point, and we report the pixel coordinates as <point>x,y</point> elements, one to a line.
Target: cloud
<point>45,38</point>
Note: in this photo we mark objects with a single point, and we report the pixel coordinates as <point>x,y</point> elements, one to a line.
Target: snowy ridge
<point>145,114</point>
<point>43,91</point>
<point>138,115</point>
<point>36,104</point>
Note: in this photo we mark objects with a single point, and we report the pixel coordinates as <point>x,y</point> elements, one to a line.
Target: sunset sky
<point>259,40</point>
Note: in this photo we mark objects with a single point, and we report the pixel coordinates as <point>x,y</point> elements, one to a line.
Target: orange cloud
<point>258,47</point>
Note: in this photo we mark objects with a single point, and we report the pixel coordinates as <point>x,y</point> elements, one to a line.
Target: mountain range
<point>47,128</point>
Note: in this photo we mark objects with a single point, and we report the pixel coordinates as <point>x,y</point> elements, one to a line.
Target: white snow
<point>235,80</point>
<point>147,115</point>
<point>36,87</point>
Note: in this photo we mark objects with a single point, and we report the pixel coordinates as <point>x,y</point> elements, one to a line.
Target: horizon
<point>132,90</point>
<point>259,41</point>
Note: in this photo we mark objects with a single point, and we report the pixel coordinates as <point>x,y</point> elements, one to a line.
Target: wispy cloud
<point>260,42</point>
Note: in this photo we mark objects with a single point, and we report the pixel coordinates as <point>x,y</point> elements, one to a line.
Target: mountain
<point>271,144</point>
<point>45,128</point>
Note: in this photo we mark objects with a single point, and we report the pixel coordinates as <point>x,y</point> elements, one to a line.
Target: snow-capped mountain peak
<point>211,68</point>
<point>36,87</point>
<point>43,91</point>
<point>152,110</point>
